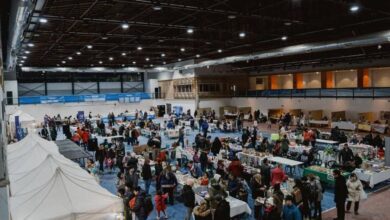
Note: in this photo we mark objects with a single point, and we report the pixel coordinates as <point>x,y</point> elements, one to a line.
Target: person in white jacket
<point>354,191</point>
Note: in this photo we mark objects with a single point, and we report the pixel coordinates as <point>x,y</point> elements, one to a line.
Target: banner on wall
<point>80,116</point>
<point>18,129</point>
<point>123,97</point>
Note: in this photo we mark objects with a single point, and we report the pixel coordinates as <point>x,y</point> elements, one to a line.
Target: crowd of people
<point>270,200</point>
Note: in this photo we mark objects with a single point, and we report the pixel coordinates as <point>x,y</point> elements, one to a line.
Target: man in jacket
<point>235,167</point>
<point>291,211</point>
<point>188,196</point>
<point>147,175</point>
<point>266,172</point>
<point>278,175</point>
<point>340,194</point>
<point>139,207</point>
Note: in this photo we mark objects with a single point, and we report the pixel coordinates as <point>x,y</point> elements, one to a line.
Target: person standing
<point>340,194</point>
<point>147,175</point>
<point>99,156</point>
<point>266,172</point>
<point>205,128</point>
<point>354,189</point>
<point>188,196</point>
<point>159,200</point>
<point>168,183</point>
<point>316,195</point>
<point>291,211</point>
<point>278,175</point>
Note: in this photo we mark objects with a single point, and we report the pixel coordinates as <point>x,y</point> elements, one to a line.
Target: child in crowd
<point>159,199</point>
<point>204,180</point>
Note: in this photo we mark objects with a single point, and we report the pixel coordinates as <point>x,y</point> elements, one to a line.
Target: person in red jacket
<point>85,138</point>
<point>159,199</point>
<point>278,175</point>
<point>235,167</point>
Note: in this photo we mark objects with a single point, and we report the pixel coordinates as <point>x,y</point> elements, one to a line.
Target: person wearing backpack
<point>188,196</point>
<point>142,204</point>
<point>301,198</point>
<point>316,192</point>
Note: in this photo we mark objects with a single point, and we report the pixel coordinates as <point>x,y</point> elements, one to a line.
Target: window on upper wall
<point>259,81</point>
<point>209,87</point>
<point>183,88</point>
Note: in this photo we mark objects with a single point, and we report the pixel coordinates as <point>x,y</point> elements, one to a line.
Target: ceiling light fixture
<point>379,47</point>
<point>22,61</point>
<point>123,65</point>
<point>20,64</point>
<point>111,58</point>
<point>58,64</point>
<point>190,31</point>
<point>354,8</point>
<point>78,53</point>
<point>182,49</point>
<point>287,23</point>
<point>147,58</point>
<point>242,34</point>
<point>92,65</point>
<point>139,48</point>
<point>157,6</point>
<point>163,54</point>
<point>104,38</point>
<point>27,52</point>
<point>43,20</point>
<point>100,62</point>
<point>70,58</point>
<point>232,16</point>
<point>219,51</point>
<point>63,61</point>
<point>151,65</point>
<point>179,59</point>
<point>284,38</point>
<point>30,44</point>
<point>24,57</point>
<point>134,62</point>
<point>123,54</point>
<point>164,62</point>
<point>125,26</point>
<point>89,46</point>
<point>197,55</point>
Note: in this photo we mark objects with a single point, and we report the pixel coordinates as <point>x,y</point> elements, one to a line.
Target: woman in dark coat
<point>216,146</point>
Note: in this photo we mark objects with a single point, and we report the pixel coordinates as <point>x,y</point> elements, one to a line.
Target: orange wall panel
<point>299,79</point>
<point>274,82</point>
<point>329,79</point>
<point>366,78</point>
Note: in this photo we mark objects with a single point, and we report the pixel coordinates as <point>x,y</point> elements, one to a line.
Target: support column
<point>363,78</point>
<point>45,79</point>
<point>97,83</point>
<point>121,78</point>
<point>72,81</point>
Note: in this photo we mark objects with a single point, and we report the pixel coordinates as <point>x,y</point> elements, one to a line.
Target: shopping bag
<point>363,195</point>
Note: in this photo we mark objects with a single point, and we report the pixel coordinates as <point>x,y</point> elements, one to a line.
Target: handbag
<point>363,195</point>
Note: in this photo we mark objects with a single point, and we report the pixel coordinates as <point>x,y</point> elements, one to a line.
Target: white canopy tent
<point>24,117</point>
<point>46,185</point>
<point>25,120</point>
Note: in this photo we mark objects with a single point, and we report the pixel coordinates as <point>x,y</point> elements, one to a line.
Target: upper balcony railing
<point>374,93</point>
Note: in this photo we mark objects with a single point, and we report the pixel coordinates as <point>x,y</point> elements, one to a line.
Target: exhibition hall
<point>194,110</point>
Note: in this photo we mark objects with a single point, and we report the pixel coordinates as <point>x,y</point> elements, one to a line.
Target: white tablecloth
<point>100,139</point>
<point>237,207</point>
<point>373,177</point>
<point>285,161</point>
<point>323,141</point>
<point>380,128</point>
<point>319,122</point>
<point>344,125</point>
